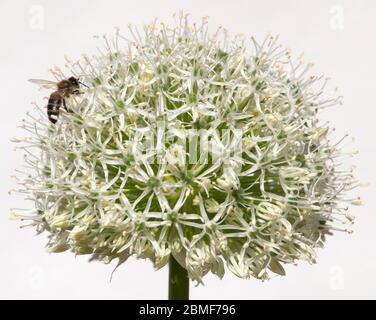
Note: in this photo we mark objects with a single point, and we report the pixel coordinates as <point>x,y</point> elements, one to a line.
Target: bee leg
<point>65,107</point>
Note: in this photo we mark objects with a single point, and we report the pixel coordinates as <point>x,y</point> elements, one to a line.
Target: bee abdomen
<point>53,106</point>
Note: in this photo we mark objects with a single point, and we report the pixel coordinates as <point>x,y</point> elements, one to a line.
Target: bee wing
<point>44,84</point>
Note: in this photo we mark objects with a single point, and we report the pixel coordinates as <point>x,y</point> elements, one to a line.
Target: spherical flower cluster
<point>204,147</point>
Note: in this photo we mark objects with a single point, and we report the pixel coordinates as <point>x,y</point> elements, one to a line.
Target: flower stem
<point>178,281</point>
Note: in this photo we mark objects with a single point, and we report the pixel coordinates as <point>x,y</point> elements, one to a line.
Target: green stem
<point>178,281</point>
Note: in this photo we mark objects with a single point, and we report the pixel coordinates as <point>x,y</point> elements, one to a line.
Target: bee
<point>64,89</point>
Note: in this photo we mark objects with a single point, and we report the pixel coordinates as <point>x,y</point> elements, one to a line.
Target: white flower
<point>162,254</point>
<point>228,182</point>
<point>175,155</point>
<point>60,221</point>
<point>238,267</point>
<point>111,219</point>
<point>123,174</point>
<point>248,143</point>
<point>295,175</point>
<point>78,235</point>
<point>211,205</point>
<point>268,211</point>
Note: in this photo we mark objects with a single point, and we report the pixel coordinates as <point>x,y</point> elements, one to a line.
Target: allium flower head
<point>202,146</point>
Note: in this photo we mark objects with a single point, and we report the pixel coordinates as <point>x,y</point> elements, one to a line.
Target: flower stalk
<point>178,281</point>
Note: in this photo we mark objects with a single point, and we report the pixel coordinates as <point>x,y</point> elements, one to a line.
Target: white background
<point>339,36</point>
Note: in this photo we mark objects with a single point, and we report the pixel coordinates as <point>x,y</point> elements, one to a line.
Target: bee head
<point>74,81</point>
